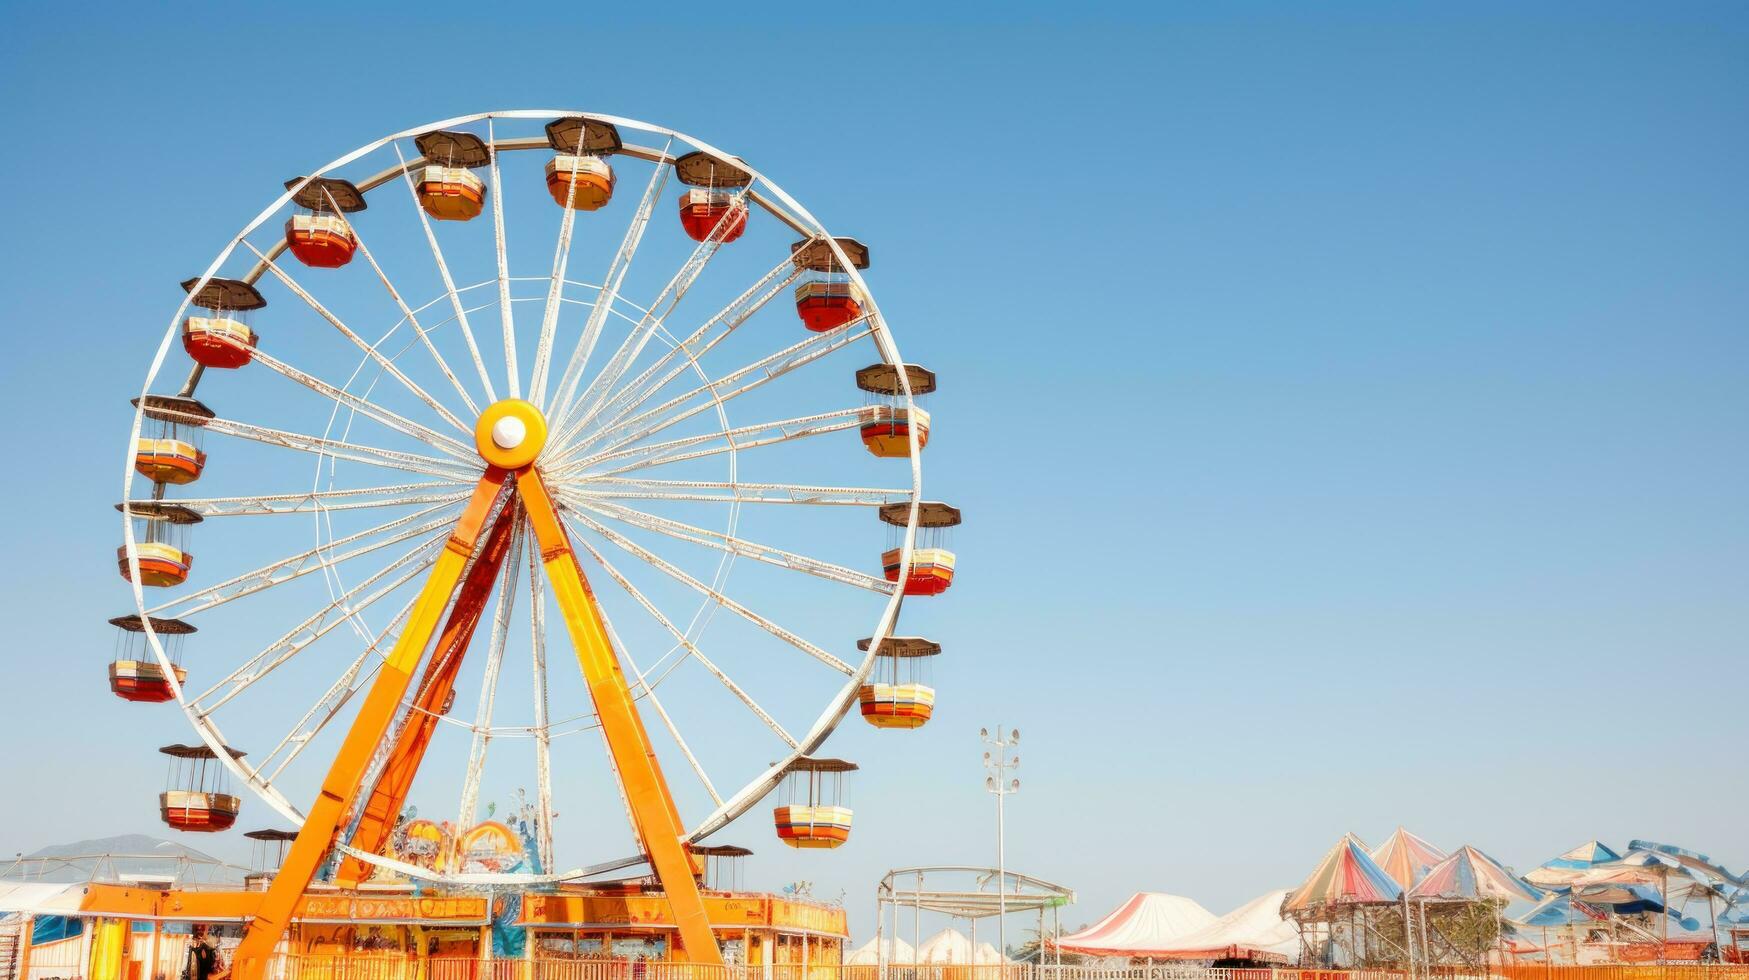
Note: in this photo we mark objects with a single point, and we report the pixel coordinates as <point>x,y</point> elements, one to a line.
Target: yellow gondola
<point>887,420</point>
<point>897,695</point>
<point>817,814</point>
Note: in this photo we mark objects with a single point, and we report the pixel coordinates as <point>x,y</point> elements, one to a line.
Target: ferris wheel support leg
<point>653,810</point>
<point>383,805</point>
<point>325,816</point>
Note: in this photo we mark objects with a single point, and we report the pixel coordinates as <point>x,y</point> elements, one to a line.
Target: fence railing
<point>396,967</point>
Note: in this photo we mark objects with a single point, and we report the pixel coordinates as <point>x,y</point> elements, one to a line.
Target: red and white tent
<point>1253,931</point>
<point>1147,925</point>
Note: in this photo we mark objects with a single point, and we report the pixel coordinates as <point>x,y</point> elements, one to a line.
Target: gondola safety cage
<point>886,420</point>
<point>135,673</point>
<point>932,562</point>
<point>318,234</point>
<point>220,336</point>
<point>714,202</point>
<point>827,296</point>
<point>897,694</point>
<point>579,176</point>
<point>161,533</point>
<point>447,187</point>
<point>196,796</point>
<point>816,813</point>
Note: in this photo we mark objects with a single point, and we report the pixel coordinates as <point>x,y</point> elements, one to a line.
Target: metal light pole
<point>996,766</point>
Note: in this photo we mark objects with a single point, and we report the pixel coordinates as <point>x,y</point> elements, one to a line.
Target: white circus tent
<point>1149,924</point>
<point>869,954</point>
<point>950,946</point>
<point>1253,931</point>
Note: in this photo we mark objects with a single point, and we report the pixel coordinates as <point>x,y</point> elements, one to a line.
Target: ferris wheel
<point>674,447</point>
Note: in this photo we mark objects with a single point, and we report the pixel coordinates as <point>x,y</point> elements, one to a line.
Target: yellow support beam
<point>324,818</point>
<point>634,758</point>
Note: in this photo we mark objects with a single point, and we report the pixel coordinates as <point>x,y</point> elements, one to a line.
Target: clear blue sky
<point>1347,406</point>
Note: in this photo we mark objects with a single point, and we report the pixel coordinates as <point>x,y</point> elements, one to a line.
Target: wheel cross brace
<point>510,435</point>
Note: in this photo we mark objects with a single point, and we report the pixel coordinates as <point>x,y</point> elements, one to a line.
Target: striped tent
<point>1347,875</point>
<point>1146,925</point>
<point>1469,875</point>
<point>1572,865</point>
<point>1407,857</point>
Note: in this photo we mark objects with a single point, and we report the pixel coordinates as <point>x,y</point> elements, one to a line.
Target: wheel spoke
<point>306,633</point>
<point>405,426</point>
<point>336,449</point>
<point>506,315</point>
<point>737,312</point>
<point>658,311</point>
<point>745,493</point>
<point>298,565</point>
<point>652,454</point>
<point>662,713</point>
<point>730,544</point>
<point>400,495</point>
<point>370,350</point>
<point>543,769</point>
<point>763,372</point>
<point>719,598</point>
<point>424,337</point>
<point>482,727</point>
<point>334,699</point>
<point>692,651</point>
<point>455,300</point>
<point>609,292</point>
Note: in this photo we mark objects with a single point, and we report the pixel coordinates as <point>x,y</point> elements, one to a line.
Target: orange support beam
<point>657,821</point>
<point>383,806</point>
<point>368,730</point>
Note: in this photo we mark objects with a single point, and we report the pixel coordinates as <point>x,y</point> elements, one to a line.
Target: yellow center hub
<point>510,434</point>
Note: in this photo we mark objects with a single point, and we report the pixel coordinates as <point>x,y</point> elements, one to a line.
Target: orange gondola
<point>319,236</point>
<point>222,338</point>
<point>135,673</point>
<point>897,694</point>
<point>579,176</point>
<point>161,533</point>
<point>195,798</point>
<point>889,417</point>
<point>817,813</point>
<point>168,450</point>
<point>828,297</point>
<point>447,187</point>
<point>932,563</point>
<point>715,202</point>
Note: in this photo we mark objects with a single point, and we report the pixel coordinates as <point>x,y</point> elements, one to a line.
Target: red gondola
<point>828,297</point>
<point>319,236</point>
<point>135,674</point>
<point>715,203</point>
<point>222,338</point>
<point>932,563</point>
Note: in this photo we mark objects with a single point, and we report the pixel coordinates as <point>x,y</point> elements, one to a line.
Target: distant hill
<point>112,858</point>
<point>135,844</point>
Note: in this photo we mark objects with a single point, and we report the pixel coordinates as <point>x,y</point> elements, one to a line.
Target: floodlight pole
<point>996,767</point>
